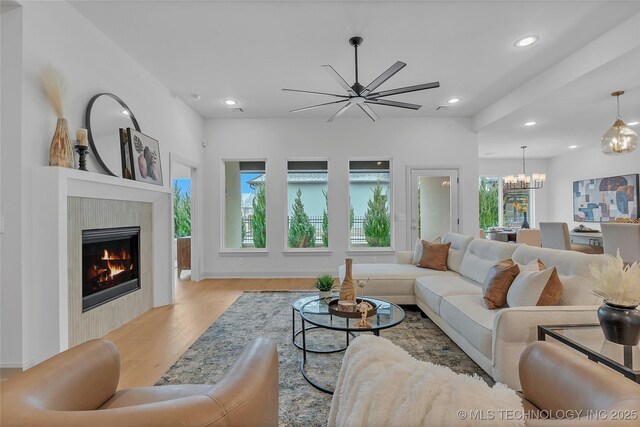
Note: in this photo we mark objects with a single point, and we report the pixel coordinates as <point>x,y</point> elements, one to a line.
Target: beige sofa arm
<point>404,257</point>
<point>515,327</point>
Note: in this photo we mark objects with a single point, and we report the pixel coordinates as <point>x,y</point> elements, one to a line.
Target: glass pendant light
<point>620,138</point>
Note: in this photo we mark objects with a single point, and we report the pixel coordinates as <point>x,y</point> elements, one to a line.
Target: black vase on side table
<point>620,324</point>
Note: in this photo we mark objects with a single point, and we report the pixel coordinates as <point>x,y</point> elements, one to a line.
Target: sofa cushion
<point>468,316</point>
<point>417,251</point>
<point>459,244</point>
<point>497,283</point>
<point>481,255</point>
<point>431,289</point>
<point>389,279</point>
<point>535,288</point>
<point>573,271</point>
<point>434,255</point>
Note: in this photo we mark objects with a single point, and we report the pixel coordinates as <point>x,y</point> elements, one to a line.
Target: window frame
<point>368,249</point>
<point>531,211</point>
<point>301,251</point>
<point>223,208</point>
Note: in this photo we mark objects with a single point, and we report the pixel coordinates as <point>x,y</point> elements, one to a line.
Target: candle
<point>81,136</point>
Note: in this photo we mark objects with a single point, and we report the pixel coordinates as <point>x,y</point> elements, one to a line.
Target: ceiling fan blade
<point>393,104</point>
<point>383,77</point>
<point>339,79</point>
<point>368,111</point>
<point>407,89</point>
<point>315,93</point>
<point>316,106</point>
<point>340,111</point>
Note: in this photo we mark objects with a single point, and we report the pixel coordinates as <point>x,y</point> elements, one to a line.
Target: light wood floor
<point>153,341</point>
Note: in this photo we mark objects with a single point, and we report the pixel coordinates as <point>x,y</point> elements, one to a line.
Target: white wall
<point>579,165</point>
<point>11,200</point>
<point>504,167</point>
<point>435,143</point>
<point>55,33</point>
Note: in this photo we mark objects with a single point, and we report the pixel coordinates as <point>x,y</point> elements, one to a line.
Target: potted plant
<point>619,285</point>
<point>324,284</point>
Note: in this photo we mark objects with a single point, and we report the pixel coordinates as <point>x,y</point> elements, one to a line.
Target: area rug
<point>268,314</point>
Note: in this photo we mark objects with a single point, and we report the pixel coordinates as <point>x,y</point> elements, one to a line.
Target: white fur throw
<point>380,384</point>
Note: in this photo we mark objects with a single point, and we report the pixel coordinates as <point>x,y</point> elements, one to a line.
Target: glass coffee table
<point>316,313</point>
<point>589,340</point>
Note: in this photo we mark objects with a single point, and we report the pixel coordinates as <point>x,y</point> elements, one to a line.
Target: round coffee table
<point>295,308</point>
<point>316,312</point>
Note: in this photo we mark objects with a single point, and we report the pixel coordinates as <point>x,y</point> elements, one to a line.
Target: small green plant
<point>377,224</point>
<point>302,234</point>
<point>259,218</point>
<point>324,283</point>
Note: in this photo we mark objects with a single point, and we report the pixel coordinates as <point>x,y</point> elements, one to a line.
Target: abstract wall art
<point>605,199</point>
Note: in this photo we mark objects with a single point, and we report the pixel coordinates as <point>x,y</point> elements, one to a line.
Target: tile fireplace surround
<point>70,201</point>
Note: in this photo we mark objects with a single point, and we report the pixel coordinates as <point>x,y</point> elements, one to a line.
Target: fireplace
<point>110,264</point>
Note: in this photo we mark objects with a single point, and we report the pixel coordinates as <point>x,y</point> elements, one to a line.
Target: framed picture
<point>146,157</point>
<point>126,154</point>
<point>606,199</point>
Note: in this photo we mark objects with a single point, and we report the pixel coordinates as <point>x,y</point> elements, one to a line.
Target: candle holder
<point>82,151</point>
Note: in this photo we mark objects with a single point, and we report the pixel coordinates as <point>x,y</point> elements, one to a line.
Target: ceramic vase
<point>324,294</point>
<point>525,223</point>
<point>348,289</point>
<point>60,153</point>
<point>620,324</point>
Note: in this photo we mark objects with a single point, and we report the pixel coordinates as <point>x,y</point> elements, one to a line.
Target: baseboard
<point>11,365</point>
<point>263,274</point>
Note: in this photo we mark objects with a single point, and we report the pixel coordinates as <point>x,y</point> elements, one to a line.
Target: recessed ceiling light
<point>526,41</point>
<point>573,147</point>
<point>490,153</point>
<point>453,100</point>
<point>195,97</point>
<point>531,123</point>
<point>125,112</point>
<point>633,123</point>
<point>230,102</point>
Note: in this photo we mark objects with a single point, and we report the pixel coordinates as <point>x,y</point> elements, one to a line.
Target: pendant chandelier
<point>523,181</point>
<point>620,138</point>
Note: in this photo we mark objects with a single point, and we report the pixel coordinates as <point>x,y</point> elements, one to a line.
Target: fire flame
<point>115,262</point>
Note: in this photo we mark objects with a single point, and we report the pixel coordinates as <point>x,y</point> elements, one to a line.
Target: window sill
<point>369,251</point>
<point>244,252</point>
<point>306,251</point>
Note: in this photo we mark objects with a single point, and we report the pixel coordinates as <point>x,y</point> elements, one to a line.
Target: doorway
<point>433,203</point>
<point>184,207</point>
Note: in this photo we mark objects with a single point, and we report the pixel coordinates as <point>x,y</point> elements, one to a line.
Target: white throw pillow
<point>417,251</point>
<point>532,288</point>
<point>532,266</point>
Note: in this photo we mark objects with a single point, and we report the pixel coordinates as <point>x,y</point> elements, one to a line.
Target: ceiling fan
<point>363,96</point>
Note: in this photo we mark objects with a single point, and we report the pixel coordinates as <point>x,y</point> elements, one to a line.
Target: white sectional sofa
<point>452,299</point>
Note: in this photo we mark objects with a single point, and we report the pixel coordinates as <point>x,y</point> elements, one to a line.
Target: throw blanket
<point>380,384</point>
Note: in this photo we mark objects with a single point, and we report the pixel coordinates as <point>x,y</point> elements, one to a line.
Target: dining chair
<point>555,235</point>
<point>624,237</point>
<point>529,237</point>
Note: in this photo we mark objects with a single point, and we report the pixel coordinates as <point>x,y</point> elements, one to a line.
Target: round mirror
<point>105,115</point>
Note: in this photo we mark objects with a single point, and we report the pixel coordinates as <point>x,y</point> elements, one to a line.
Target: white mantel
<point>52,186</point>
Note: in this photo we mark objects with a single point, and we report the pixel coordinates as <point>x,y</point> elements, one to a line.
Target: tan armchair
<point>78,388</point>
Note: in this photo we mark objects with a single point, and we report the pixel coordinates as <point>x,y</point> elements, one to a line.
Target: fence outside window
<point>357,237</point>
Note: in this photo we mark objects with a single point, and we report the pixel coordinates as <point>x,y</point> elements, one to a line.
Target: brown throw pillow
<point>434,255</point>
<point>497,283</point>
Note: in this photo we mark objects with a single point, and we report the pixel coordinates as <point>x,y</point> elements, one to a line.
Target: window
<point>502,208</point>
<point>489,201</point>
<point>515,204</point>
<point>245,215</point>
<point>307,211</point>
<point>181,207</point>
<point>369,211</point>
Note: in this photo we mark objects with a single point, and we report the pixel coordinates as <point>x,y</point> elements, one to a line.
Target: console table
<point>586,238</point>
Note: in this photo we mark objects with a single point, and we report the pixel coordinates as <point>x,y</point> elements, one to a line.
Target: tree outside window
<point>307,204</point>
<point>369,213</point>
<point>245,216</point>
